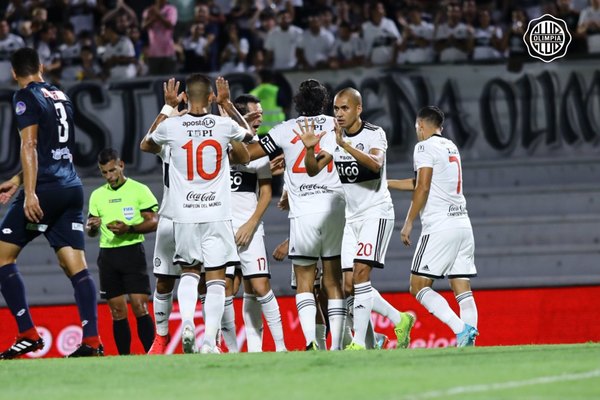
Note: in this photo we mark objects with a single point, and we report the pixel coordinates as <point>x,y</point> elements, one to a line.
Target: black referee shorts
<point>123,270</point>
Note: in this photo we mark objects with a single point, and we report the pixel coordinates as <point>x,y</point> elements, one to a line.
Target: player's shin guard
<point>13,290</point>
<point>307,311</point>
<point>363,305</point>
<point>468,308</point>
<point>228,326</point>
<point>349,325</point>
<point>187,296</point>
<point>336,311</point>
<point>163,305</point>
<point>439,307</point>
<point>383,307</point>
<point>270,309</point>
<point>214,305</point>
<point>87,304</point>
<point>253,323</point>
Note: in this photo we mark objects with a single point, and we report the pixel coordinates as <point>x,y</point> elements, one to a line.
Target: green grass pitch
<point>516,372</point>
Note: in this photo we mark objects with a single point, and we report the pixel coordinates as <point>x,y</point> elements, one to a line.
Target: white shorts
<point>253,259</point>
<point>366,242</point>
<point>446,253</point>
<point>210,243</point>
<point>164,250</point>
<point>316,236</point>
<point>317,282</point>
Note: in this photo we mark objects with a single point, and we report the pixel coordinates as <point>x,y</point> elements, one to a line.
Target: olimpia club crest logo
<point>547,38</point>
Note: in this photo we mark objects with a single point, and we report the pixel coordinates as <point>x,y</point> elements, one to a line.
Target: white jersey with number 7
<point>199,168</point>
<point>446,207</point>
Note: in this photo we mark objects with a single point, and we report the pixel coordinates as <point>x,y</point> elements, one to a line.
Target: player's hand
<point>339,134</point>
<point>405,233</point>
<point>283,203</point>
<point>243,236</point>
<point>277,165</point>
<point>93,223</point>
<point>33,211</point>
<point>223,95</point>
<point>171,90</point>
<point>118,227</point>
<point>281,250</point>
<point>308,135</point>
<point>7,190</point>
<point>251,117</point>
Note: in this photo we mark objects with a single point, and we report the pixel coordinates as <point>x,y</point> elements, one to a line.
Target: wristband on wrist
<point>166,110</point>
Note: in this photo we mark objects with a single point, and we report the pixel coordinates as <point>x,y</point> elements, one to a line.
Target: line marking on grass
<point>504,385</point>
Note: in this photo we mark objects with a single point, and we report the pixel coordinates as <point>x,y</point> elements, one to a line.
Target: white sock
<point>202,298</point>
<point>162,304</point>
<point>307,312</point>
<point>363,305</point>
<point>214,305</point>
<point>253,323</point>
<point>228,325</point>
<point>321,336</point>
<point>270,309</point>
<point>336,311</point>
<point>349,325</point>
<point>439,307</point>
<point>187,296</point>
<point>370,336</point>
<point>468,308</point>
<point>383,307</point>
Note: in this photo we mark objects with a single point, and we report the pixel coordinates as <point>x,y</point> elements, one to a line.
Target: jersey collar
<point>362,125</point>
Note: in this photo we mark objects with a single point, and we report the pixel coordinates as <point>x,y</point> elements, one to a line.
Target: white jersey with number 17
<point>446,207</point>
<point>199,168</point>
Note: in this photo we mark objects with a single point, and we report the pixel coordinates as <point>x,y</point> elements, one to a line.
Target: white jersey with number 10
<point>199,167</point>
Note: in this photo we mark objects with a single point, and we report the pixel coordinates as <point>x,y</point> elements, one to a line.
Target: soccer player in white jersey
<point>201,199</point>
<point>358,150</point>
<point>316,214</point>
<point>247,211</point>
<point>446,246</point>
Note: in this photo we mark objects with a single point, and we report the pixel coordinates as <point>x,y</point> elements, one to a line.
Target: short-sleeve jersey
<point>307,195</point>
<point>122,204</point>
<point>51,110</point>
<point>446,207</point>
<point>366,192</point>
<point>166,207</point>
<point>244,190</point>
<point>199,168</point>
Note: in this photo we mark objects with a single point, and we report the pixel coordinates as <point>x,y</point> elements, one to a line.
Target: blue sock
<point>13,290</point>
<point>87,303</point>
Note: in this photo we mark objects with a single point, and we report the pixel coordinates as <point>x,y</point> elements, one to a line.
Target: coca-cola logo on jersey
<point>206,122</point>
<point>193,196</point>
<point>312,186</point>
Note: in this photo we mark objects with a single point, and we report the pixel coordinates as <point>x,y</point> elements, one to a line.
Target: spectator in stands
<point>565,11</point>
<point>16,12</point>
<point>122,211</point>
<point>89,67</point>
<point>26,33</point>
<point>9,43</point>
<point>244,15</point>
<point>488,39</point>
<point>196,48</point>
<point>348,48</point>
<point>469,13</point>
<point>513,41</point>
<point>418,39</point>
<point>233,57</point>
<point>123,14</point>
<point>381,37</point>
<point>328,21</point>
<point>267,23</point>
<point>48,52</point>
<point>39,18</point>
<point>589,24</point>
<point>70,53</point>
<point>213,30</point>
<point>282,42</point>
<point>159,22</point>
<point>316,44</point>
<point>118,58</point>
<point>454,39</point>
<point>81,14</point>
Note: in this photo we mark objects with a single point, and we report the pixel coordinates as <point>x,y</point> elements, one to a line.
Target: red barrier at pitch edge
<point>506,317</point>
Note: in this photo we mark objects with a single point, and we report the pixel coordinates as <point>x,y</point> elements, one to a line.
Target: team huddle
<point>217,186</point>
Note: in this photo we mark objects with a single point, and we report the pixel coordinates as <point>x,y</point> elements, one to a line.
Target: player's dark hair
<point>241,102</point>
<point>25,62</point>
<point>432,115</point>
<point>198,87</point>
<point>107,155</point>
<point>312,98</point>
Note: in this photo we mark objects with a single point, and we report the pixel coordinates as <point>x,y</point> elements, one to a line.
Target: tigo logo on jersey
<point>20,108</point>
<point>128,213</point>
<point>547,38</point>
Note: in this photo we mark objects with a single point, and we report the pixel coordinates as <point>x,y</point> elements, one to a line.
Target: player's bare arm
<point>29,161</point>
<point>224,101</point>
<point>172,100</point>
<point>244,234</point>
<point>239,153</point>
<point>9,188</point>
<point>313,163</point>
<point>405,185</point>
<point>420,195</point>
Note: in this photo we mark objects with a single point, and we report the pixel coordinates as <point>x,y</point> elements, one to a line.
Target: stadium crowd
<point>101,39</point>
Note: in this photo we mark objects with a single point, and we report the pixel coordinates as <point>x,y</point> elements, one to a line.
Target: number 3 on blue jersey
<point>63,126</point>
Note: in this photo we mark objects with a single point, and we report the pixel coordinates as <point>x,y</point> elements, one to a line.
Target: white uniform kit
<point>446,246</point>
<point>316,203</point>
<point>199,187</point>
<point>369,208</point>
